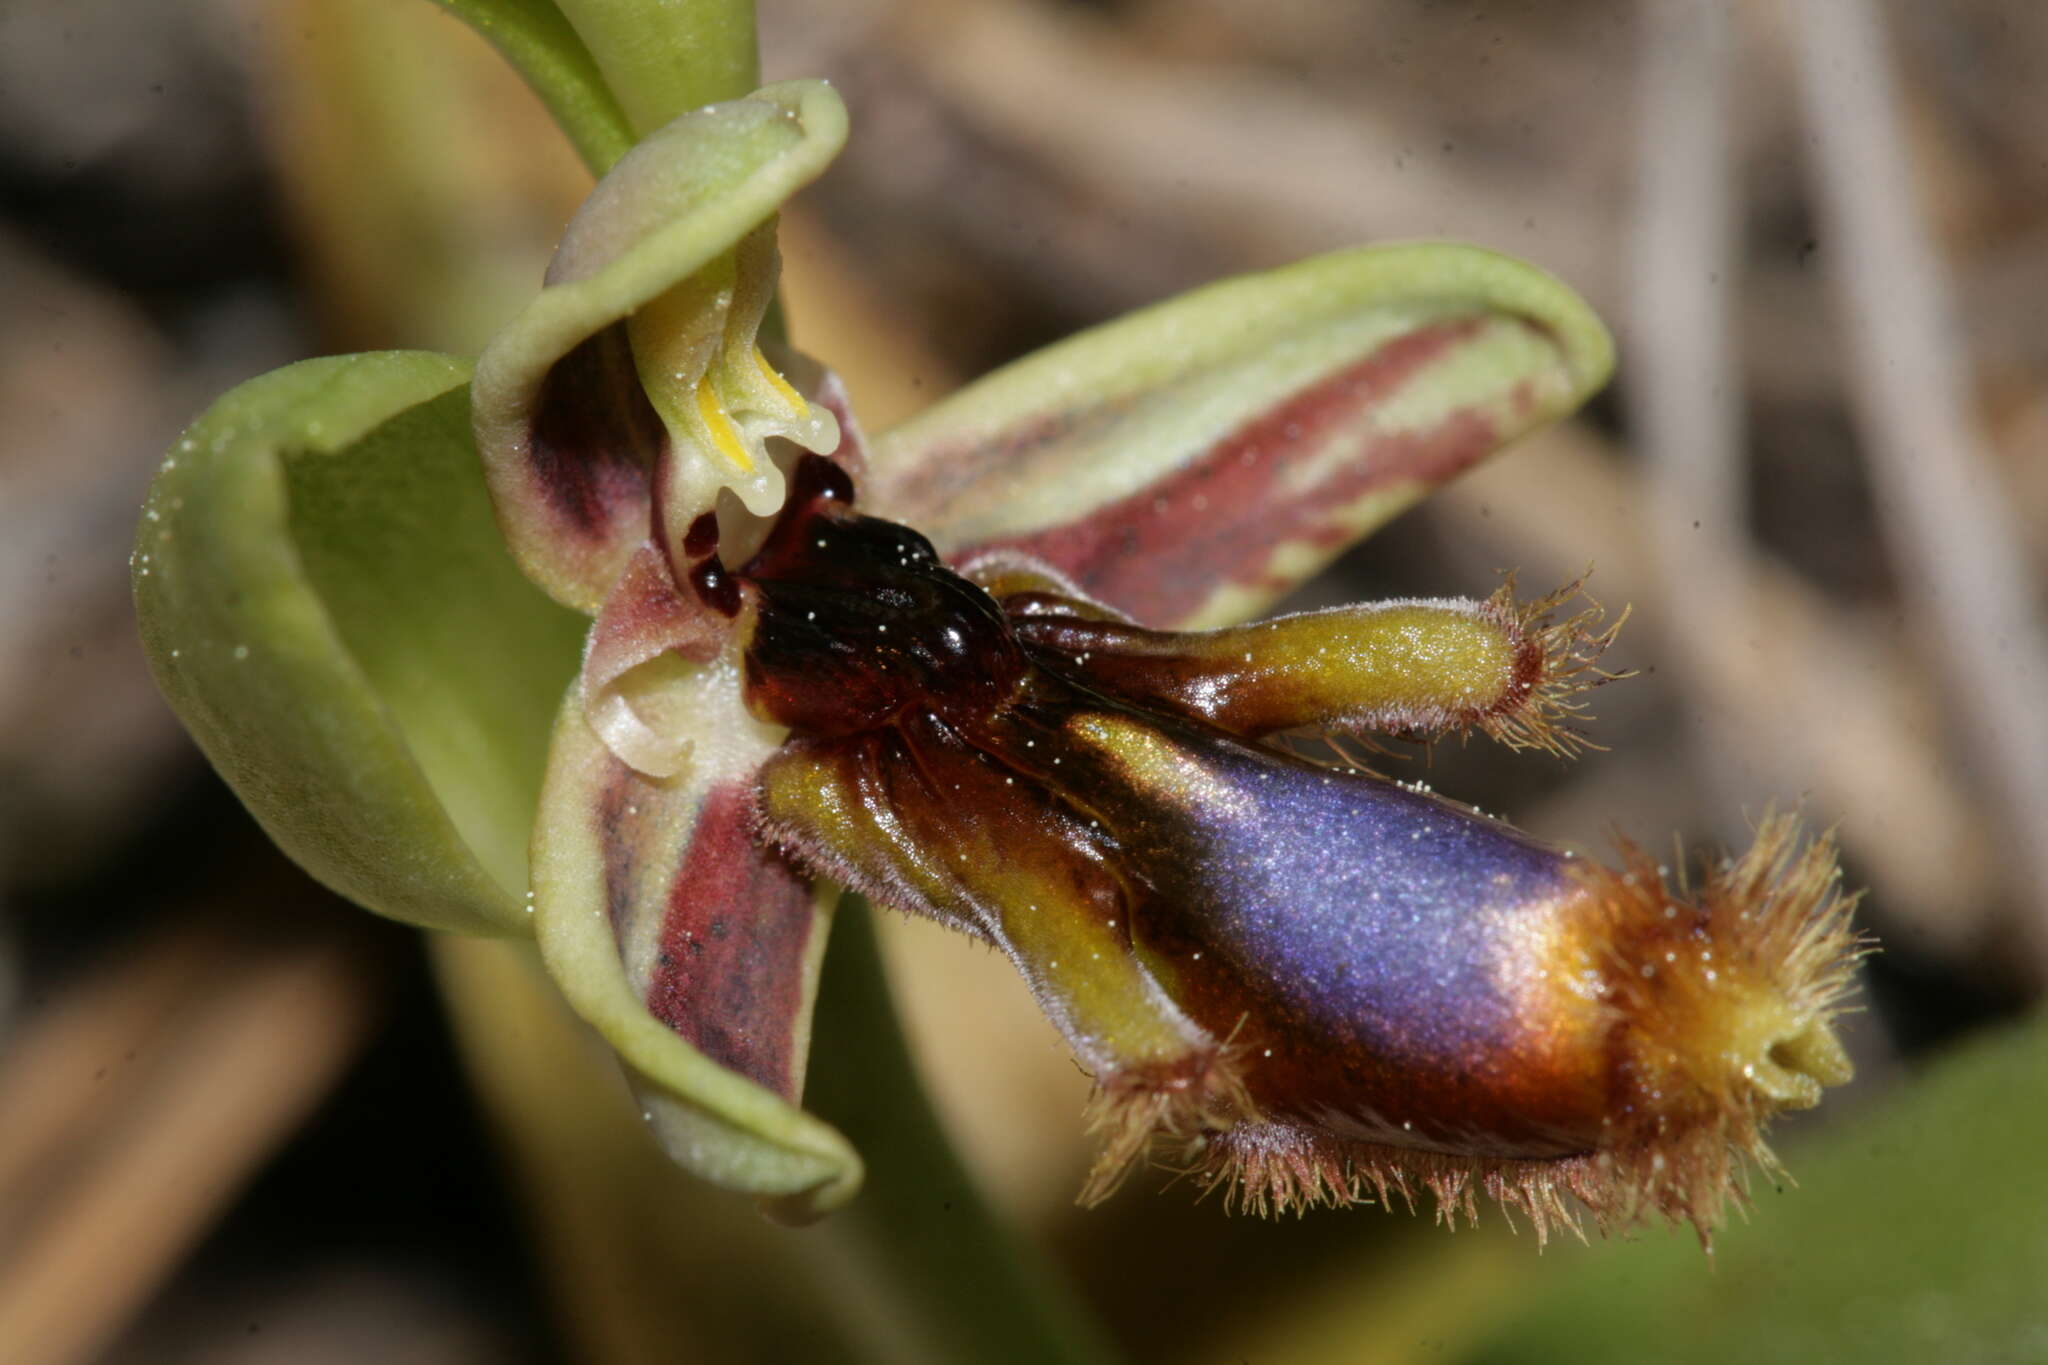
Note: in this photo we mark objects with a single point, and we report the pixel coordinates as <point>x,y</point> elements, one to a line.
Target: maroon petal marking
<point>727,967</point>
<point>569,461</point>
<point>595,436</point>
<point>1190,462</point>
<point>1161,553</point>
<point>646,616</point>
<point>692,951</point>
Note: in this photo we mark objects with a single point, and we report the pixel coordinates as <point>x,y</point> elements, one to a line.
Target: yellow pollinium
<point>775,381</point>
<point>769,400</point>
<point>717,422</point>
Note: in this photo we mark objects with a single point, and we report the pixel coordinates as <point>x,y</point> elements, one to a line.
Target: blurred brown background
<point>230,1127</point>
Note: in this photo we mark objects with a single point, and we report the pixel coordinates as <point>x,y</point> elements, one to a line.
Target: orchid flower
<point>991,668</point>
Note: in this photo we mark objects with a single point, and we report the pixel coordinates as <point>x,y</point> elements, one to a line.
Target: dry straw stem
<point>1939,496</point>
<point>137,1106</point>
<point>1684,387</point>
<point>1807,700</point>
<point>1281,172</point>
<point>69,1066</point>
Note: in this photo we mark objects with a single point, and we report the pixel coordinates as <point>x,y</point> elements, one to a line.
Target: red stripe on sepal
<point>1162,552</point>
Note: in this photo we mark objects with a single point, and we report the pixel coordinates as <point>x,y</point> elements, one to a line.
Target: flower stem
<point>919,1228</point>
<point>663,57</point>
<point>533,36</point>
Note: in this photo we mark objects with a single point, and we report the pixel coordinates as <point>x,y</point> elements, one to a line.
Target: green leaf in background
<point>1914,1235</point>
<point>329,607</point>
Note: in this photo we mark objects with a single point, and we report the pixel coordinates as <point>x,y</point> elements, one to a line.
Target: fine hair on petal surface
<point>1133,1115</point>
<point>1559,664</point>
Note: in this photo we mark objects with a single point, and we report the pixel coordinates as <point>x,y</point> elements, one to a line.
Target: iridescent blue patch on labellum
<point>1313,983</point>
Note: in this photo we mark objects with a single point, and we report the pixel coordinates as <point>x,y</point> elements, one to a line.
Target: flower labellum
<point>1309,983</point>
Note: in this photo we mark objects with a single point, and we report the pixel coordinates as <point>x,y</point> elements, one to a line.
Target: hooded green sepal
<point>634,378</point>
<point>692,949</point>
<point>1192,462</point>
<point>327,605</point>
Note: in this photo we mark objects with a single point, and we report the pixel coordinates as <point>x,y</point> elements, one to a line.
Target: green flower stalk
<point>1307,984</point>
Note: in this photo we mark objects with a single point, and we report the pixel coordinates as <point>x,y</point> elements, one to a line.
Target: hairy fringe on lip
<point>1135,1115</point>
<point>1274,1169</point>
<point>1776,916</point>
<point>1779,908</point>
<point>1558,664</point>
<point>1271,1170</point>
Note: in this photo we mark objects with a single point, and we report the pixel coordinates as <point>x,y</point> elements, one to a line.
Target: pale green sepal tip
<point>327,607</point>
<point>1496,282</point>
<point>684,196</point>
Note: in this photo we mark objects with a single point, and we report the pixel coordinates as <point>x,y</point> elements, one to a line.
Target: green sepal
<point>327,605</point>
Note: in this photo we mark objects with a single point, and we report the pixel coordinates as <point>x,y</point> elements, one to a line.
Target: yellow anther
<point>780,385</point>
<point>726,437</point>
